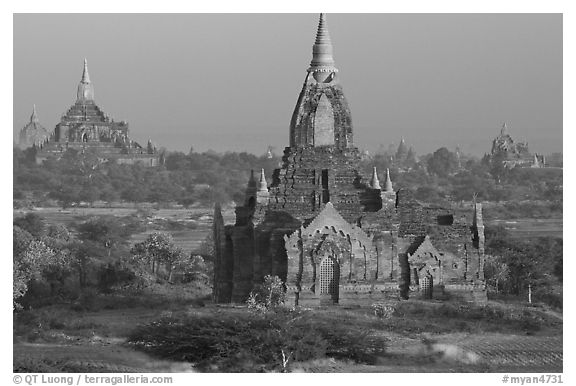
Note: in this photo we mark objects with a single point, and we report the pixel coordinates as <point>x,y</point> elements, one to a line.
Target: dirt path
<point>98,357</point>
<point>105,350</point>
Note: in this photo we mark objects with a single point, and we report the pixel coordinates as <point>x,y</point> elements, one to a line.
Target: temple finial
<point>388,185</point>
<point>504,129</point>
<point>85,74</point>
<point>322,35</point>
<point>322,59</point>
<point>263,186</point>
<point>34,116</point>
<point>85,91</point>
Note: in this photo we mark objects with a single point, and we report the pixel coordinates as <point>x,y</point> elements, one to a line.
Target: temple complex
<point>405,157</point>
<point>514,154</point>
<point>85,127</point>
<point>332,235</point>
<point>33,134</point>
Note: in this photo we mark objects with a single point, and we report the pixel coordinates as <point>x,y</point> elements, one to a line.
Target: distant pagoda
<point>514,154</point>
<point>85,127</point>
<point>33,134</point>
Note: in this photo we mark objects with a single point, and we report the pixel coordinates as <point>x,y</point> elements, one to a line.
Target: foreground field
<point>531,227</point>
<point>194,224</point>
<point>176,337</point>
<point>188,227</point>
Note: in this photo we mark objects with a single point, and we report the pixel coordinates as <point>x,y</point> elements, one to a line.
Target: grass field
<point>149,334</point>
<point>195,223</point>
<point>188,227</point>
<point>530,227</point>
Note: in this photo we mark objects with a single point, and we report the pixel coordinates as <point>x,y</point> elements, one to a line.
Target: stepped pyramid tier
<point>33,134</point>
<point>86,127</point>
<point>330,234</point>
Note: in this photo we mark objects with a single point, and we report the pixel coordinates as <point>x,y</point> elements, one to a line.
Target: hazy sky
<point>231,81</point>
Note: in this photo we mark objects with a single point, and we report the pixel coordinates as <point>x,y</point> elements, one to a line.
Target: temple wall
<point>243,250</point>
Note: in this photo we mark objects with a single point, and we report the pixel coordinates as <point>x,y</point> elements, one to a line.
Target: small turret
<point>263,186</point>
<point>262,194</point>
<point>388,184</point>
<point>374,182</point>
<point>388,195</point>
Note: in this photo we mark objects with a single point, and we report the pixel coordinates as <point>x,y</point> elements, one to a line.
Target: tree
<point>442,163</point>
<point>158,249</point>
<point>35,262</point>
<point>106,231</point>
<point>497,166</point>
<point>268,295</point>
<point>496,272</point>
<point>537,261</point>
<point>32,223</point>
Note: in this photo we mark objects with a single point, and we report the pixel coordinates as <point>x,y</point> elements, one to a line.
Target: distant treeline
<point>204,178</point>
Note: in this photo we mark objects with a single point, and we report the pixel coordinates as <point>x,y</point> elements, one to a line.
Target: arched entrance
<point>329,280</point>
<point>426,286</point>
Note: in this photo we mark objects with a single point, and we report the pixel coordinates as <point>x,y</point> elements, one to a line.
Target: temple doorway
<point>427,286</point>
<point>329,280</point>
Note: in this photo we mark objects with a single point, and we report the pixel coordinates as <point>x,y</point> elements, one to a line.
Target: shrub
<point>383,311</point>
<point>267,296</point>
<point>256,341</point>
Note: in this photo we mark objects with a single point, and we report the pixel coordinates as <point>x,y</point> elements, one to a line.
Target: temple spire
<point>85,91</point>
<point>263,186</point>
<point>374,183</point>
<point>34,116</point>
<point>322,35</point>
<point>504,129</point>
<point>85,74</point>
<point>322,59</point>
<point>388,184</point>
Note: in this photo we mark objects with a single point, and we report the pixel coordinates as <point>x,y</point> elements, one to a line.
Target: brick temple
<point>85,127</point>
<point>514,154</point>
<point>332,235</point>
